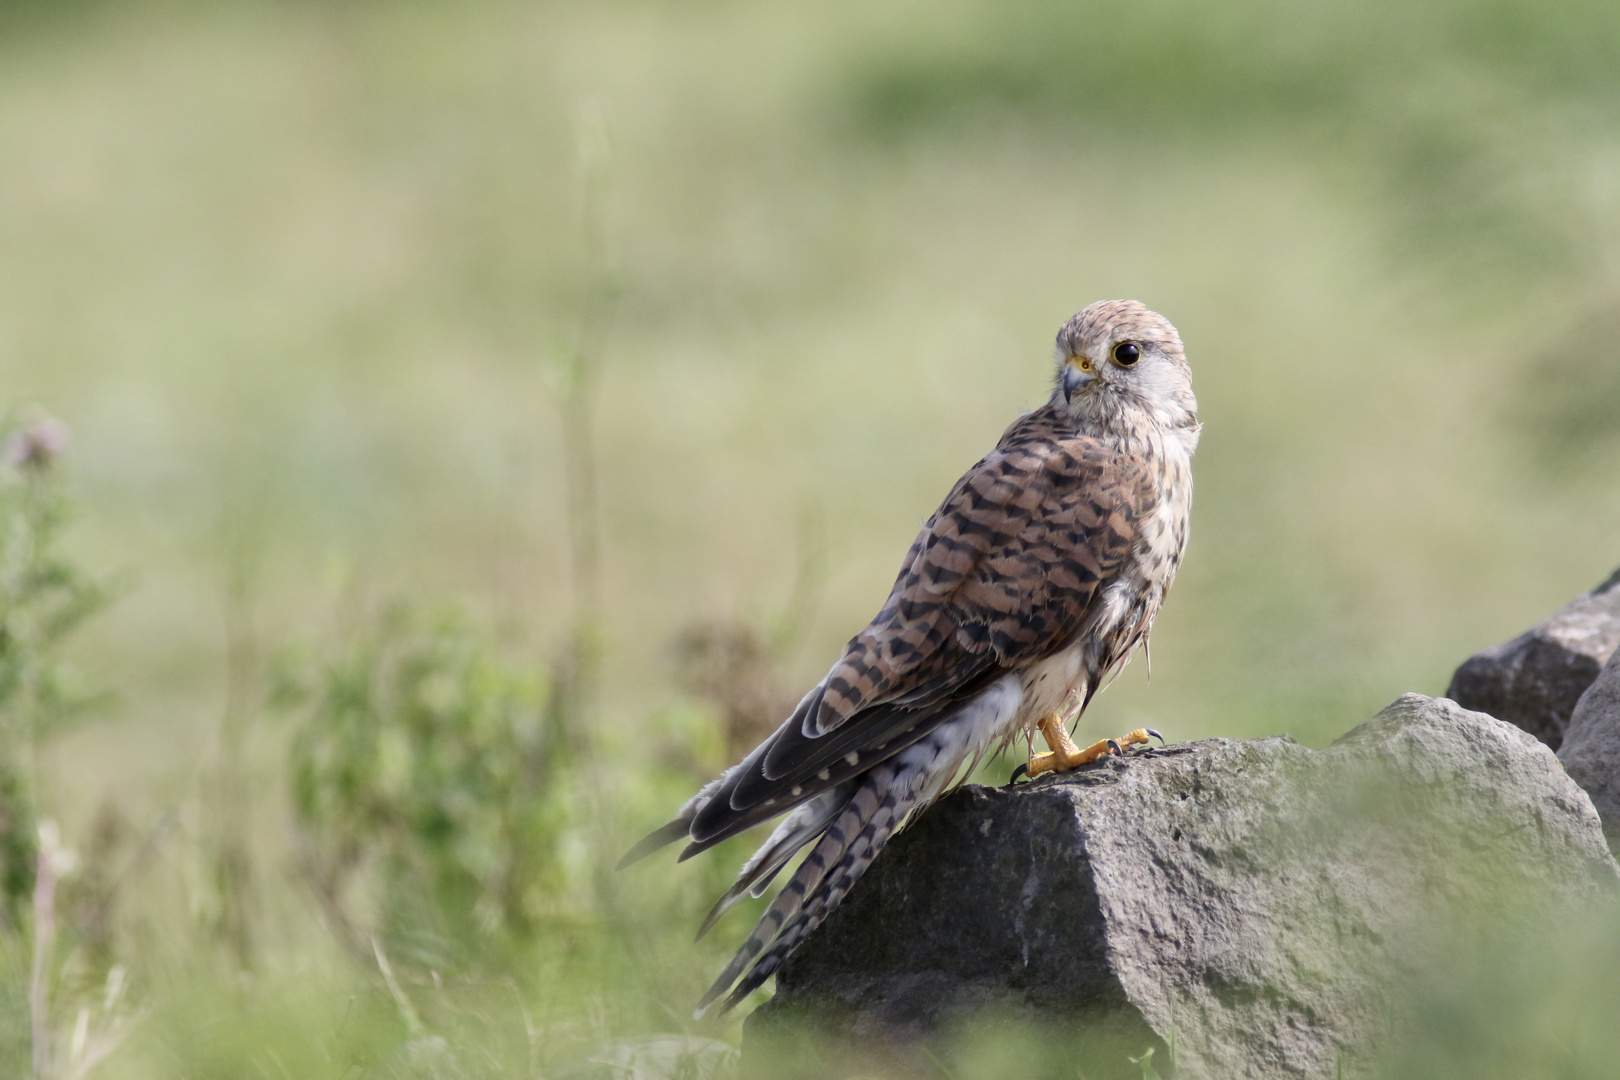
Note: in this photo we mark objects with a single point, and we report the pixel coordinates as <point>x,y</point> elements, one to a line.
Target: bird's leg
<point>1065,755</point>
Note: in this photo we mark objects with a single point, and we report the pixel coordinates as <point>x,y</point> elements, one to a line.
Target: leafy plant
<point>425,783</point>
<point>44,598</point>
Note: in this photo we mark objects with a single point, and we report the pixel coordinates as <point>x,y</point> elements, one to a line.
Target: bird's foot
<point>1064,755</point>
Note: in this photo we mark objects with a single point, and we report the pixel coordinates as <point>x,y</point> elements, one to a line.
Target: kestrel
<point>1025,591</point>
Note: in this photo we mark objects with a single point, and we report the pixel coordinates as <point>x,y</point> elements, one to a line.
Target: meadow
<point>485,415</point>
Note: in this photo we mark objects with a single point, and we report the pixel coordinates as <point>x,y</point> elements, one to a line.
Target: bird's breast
<point>1163,538</point>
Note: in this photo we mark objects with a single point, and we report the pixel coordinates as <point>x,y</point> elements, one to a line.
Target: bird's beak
<point>1075,379</point>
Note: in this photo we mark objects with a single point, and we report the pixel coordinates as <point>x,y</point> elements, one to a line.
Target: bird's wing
<point>1002,575</point>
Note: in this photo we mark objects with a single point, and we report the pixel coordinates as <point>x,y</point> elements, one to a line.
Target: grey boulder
<point>1591,750</point>
<point>1535,680</point>
<point>1253,900</point>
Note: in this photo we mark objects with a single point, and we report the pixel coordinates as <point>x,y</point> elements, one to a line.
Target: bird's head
<point>1118,361</point>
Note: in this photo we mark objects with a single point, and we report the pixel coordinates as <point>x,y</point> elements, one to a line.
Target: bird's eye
<point>1126,353</point>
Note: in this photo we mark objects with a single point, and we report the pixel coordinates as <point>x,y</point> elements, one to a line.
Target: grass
<point>297,276</point>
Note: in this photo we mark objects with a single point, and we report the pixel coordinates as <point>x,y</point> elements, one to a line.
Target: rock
<point>1535,680</point>
<point>1254,897</point>
<point>1591,750</point>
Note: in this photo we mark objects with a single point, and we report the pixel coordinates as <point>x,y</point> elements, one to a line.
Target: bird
<point>1022,596</point>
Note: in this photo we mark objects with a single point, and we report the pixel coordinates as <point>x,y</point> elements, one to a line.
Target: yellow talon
<point>1065,755</point>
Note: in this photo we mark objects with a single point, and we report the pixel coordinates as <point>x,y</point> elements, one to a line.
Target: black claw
<point>1115,747</point>
<point>1020,771</point>
<point>1156,735</point>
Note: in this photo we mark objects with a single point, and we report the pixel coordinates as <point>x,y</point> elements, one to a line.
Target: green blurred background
<point>309,282</point>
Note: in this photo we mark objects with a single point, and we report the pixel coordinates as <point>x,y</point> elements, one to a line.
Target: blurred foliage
<point>1526,1004</point>
<point>984,1046</point>
<point>422,760</point>
<point>731,665</point>
<point>1169,63</point>
<point>44,594</point>
<point>292,269</point>
<point>740,665</point>
<point>1568,408</point>
<point>1474,120</point>
<point>44,597</point>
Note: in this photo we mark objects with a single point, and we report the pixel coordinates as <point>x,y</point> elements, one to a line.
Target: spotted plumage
<point>1030,585</point>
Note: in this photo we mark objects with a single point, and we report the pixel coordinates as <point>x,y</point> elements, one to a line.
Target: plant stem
<point>44,943</point>
<point>580,363</point>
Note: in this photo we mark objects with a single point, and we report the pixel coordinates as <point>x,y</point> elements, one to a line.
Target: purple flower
<point>37,444</point>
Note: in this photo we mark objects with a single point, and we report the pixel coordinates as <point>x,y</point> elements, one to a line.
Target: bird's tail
<point>886,796</point>
<point>802,826</point>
